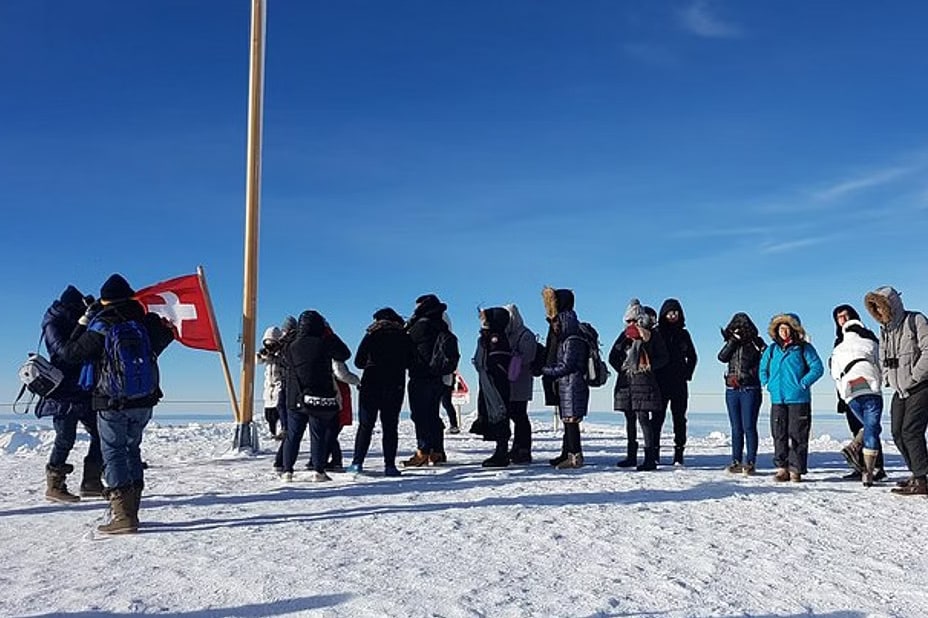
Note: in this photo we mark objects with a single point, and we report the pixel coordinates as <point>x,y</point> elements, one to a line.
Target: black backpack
<point>597,372</point>
<point>540,360</point>
<point>445,354</point>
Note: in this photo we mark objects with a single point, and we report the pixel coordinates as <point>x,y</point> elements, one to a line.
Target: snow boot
<point>557,461</point>
<point>91,483</point>
<point>419,459</point>
<point>520,457</point>
<point>853,452</point>
<point>56,489</point>
<point>573,460</point>
<point>678,456</point>
<point>781,476</point>
<point>650,460</point>
<point>500,458</point>
<point>123,520</point>
<point>870,456</point>
<point>631,456</point>
<point>917,487</point>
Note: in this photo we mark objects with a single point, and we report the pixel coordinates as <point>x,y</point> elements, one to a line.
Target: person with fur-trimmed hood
<point>491,360</point>
<point>524,347</point>
<point>566,367</point>
<point>742,352</point>
<point>638,352</point>
<point>268,356</point>
<point>788,369</point>
<point>676,374</point>
<point>904,346</point>
<point>384,354</point>
<point>426,384</point>
<point>855,368</point>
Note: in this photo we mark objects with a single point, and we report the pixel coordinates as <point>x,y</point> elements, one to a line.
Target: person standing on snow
<point>673,377</point>
<point>268,356</point>
<point>524,346</point>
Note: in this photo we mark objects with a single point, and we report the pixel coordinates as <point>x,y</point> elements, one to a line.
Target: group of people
<point>107,350</point>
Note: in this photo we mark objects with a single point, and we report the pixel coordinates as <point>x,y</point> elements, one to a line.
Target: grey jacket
<point>522,342</point>
<point>903,341</point>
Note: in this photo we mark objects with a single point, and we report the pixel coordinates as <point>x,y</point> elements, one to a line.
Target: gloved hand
<point>92,310</point>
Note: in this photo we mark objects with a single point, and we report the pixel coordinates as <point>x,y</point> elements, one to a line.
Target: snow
<point>221,536</point>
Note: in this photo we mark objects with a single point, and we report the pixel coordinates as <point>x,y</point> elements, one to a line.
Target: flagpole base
<point>246,437</point>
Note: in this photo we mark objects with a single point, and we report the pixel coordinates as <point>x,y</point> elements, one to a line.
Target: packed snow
<point>222,536</point>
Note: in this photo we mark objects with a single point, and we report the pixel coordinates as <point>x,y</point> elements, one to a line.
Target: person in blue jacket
<point>788,369</point>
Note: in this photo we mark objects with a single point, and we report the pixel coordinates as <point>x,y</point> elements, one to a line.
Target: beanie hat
<point>388,314</point>
<point>116,288</point>
<point>72,297</point>
<point>633,311</point>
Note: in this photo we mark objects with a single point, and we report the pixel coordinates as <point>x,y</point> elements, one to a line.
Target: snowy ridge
<point>223,537</point>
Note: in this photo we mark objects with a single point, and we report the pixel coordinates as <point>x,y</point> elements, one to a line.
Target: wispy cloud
<point>864,181</point>
<point>650,54</point>
<point>789,245</point>
<point>698,18</point>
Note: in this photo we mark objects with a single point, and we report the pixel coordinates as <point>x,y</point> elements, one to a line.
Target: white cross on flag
<point>182,302</point>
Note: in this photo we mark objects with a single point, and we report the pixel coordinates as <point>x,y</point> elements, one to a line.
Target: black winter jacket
<point>681,362</point>
<point>636,392</point>
<point>384,354</point>
<point>423,331</point>
<point>742,352</point>
<point>308,358</point>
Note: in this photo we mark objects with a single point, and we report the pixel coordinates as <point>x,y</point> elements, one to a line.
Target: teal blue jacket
<point>789,373</point>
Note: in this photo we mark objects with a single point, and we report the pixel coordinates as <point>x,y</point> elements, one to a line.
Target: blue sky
<point>740,156</point>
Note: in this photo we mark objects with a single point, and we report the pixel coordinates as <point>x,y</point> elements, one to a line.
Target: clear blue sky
<point>755,156</point>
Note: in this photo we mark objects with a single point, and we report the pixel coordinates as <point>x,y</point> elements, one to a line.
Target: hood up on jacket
<point>743,324</point>
<point>312,323</point>
<point>494,319</point>
<point>557,300</point>
<point>516,324</point>
<point>885,305</point>
<point>852,315</point>
<point>271,335</point>
<point>792,320</point>
<point>671,304</point>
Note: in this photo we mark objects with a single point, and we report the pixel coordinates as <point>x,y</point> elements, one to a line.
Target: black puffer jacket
<point>308,359</point>
<point>492,362</point>
<point>423,329</point>
<point>570,367</point>
<point>637,391</point>
<point>384,354</point>
<point>681,362</point>
<point>742,351</point>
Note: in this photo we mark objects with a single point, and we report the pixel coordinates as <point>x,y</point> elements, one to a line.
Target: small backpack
<point>597,371</point>
<point>445,354</point>
<point>129,369</point>
<point>38,376</point>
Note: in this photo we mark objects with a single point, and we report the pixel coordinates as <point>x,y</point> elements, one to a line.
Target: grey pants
<point>790,424</point>
<point>909,422</point>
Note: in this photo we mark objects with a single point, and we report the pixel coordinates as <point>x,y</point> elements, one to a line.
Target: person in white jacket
<point>855,367</point>
<point>269,356</point>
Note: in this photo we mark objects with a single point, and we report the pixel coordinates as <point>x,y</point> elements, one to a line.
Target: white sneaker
<point>319,477</point>
<point>286,477</point>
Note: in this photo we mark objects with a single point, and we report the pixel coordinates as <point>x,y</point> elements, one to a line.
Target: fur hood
<point>790,319</point>
<point>885,305</point>
<point>557,301</point>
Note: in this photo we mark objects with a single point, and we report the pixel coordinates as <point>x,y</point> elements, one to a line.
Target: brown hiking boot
<point>795,477</point>
<point>781,476</point>
<point>417,461</point>
<point>918,487</point>
<point>734,467</point>
<point>574,460</point>
<point>748,469</point>
<point>123,520</point>
<point>56,489</point>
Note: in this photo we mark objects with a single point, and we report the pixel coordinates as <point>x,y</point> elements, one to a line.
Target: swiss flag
<point>183,302</point>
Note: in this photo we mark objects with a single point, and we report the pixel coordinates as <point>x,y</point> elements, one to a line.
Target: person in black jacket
<point>674,376</point>
<point>425,384</point>
<point>68,404</point>
<point>491,360</point>
<point>120,423</point>
<point>742,352</point>
<point>384,354</point>
<point>312,396</point>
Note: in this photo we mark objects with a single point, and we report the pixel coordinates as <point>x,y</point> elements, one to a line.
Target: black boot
<point>563,456</point>
<point>631,456</point>
<point>650,460</point>
<point>91,484</point>
<point>500,458</point>
<point>678,456</point>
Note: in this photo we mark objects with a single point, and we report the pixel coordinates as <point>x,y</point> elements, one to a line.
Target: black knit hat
<point>116,288</point>
<point>389,314</point>
<point>72,297</point>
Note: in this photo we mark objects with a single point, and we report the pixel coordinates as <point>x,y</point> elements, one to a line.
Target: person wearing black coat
<point>742,352</point>
<point>312,396</point>
<point>384,354</point>
<point>674,376</point>
<point>68,404</point>
<point>425,386</point>
<point>492,363</point>
<point>638,352</point>
<point>121,424</point>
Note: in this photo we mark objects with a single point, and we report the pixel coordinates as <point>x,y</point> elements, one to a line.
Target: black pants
<point>631,428</point>
<point>424,400</point>
<point>271,416</point>
<point>790,424</point>
<point>678,399</point>
<point>909,420</point>
<point>522,427</point>
<point>650,428</point>
<point>572,439</point>
<point>385,401</point>
<point>448,406</point>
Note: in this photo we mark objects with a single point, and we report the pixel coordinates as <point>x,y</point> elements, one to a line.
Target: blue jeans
<point>121,440</point>
<point>66,434</point>
<point>869,410</point>
<point>290,447</point>
<point>743,409</point>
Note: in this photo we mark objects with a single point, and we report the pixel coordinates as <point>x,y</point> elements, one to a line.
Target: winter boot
<point>500,458</point>
<point>91,485</point>
<point>678,456</point>
<point>573,460</point>
<point>870,456</point>
<point>631,456</point>
<point>55,488</point>
<point>520,457</point>
<point>419,459</point>
<point>853,452</point>
<point>650,460</point>
<point>123,520</point>
<point>781,475</point>
<point>879,473</point>
<point>557,461</point>
<point>917,487</point>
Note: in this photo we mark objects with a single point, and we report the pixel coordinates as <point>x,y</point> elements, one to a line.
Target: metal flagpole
<point>244,432</point>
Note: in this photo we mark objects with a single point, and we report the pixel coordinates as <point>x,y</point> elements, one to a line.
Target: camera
<point>891,363</point>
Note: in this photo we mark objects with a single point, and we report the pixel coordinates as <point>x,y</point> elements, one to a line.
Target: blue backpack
<point>129,368</point>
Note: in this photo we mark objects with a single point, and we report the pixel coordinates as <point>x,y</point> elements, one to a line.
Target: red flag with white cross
<point>183,302</point>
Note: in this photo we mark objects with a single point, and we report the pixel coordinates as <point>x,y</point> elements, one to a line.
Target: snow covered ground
<point>222,537</point>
